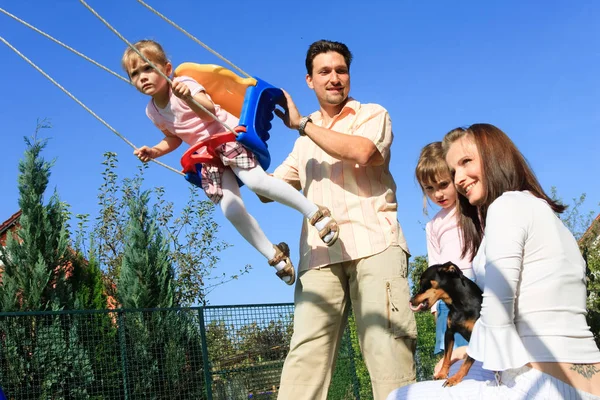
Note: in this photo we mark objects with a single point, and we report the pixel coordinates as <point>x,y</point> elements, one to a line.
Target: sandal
<point>282,253</point>
<point>331,226</point>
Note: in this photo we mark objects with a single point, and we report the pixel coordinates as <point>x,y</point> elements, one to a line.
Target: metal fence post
<point>205,361</point>
<point>122,345</point>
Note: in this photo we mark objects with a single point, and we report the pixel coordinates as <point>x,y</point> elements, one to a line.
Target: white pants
<point>515,384</point>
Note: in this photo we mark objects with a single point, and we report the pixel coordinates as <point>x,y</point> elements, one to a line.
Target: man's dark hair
<point>325,46</point>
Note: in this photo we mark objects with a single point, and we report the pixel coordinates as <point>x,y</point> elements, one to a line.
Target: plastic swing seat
<point>251,99</point>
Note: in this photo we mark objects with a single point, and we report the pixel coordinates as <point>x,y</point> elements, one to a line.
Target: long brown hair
<point>503,169</point>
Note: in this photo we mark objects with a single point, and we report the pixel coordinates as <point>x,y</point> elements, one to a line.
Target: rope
<point>213,116</point>
<point>232,65</point>
<point>79,102</point>
<point>64,45</point>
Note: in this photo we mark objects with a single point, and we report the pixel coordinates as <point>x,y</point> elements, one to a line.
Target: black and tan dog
<point>463,297</point>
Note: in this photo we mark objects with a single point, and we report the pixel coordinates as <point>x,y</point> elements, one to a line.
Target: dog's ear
<point>451,268</point>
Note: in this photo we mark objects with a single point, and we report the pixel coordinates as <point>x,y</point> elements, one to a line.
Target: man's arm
<point>357,149</point>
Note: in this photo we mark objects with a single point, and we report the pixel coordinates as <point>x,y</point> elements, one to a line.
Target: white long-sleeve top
<point>534,294</point>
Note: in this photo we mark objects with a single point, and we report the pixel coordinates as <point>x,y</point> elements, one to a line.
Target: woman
<point>532,328</point>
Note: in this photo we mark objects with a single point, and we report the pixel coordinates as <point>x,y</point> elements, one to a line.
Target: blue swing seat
<point>256,117</point>
<point>256,114</point>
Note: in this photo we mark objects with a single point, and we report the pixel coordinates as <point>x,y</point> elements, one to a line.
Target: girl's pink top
<point>180,120</point>
<point>444,242</point>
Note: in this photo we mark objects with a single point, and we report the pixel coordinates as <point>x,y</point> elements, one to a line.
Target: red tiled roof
<point>13,221</point>
<point>6,225</point>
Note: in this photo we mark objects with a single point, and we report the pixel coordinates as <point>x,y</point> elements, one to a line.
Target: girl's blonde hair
<point>431,168</point>
<point>152,50</point>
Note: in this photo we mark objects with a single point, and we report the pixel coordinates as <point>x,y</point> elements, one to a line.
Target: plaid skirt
<point>230,154</point>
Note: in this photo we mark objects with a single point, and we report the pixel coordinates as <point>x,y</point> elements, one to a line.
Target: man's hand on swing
<point>290,116</point>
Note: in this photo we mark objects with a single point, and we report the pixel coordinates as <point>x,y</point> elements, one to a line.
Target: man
<point>341,161</point>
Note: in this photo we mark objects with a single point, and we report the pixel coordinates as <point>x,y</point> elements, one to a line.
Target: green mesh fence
<point>213,352</point>
<point>153,354</point>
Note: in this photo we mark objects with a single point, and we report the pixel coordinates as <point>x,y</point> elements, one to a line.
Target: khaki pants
<point>377,287</point>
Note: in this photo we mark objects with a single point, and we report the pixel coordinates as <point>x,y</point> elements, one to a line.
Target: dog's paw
<point>440,375</point>
<point>452,381</point>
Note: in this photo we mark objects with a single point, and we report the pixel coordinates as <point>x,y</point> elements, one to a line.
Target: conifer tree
<point>34,258</point>
<point>146,276</point>
<point>88,283</point>
<point>44,354</point>
<point>161,341</point>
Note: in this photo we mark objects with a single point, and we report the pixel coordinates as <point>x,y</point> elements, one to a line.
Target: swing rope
<point>80,103</point>
<point>139,53</point>
<point>64,45</point>
<point>115,73</point>
<point>180,29</point>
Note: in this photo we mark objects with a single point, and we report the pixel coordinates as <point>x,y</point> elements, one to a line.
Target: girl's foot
<point>328,228</point>
<point>282,263</point>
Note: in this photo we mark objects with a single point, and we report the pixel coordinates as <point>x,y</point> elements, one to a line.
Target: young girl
<point>532,329</point>
<point>443,238</point>
<point>172,110</point>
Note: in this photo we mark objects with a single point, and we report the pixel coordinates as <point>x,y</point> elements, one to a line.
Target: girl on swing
<point>180,120</point>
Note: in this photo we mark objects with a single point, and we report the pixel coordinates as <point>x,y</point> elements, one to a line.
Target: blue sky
<point>531,68</point>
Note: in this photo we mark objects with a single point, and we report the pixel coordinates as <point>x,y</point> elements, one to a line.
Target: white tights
<point>258,181</point>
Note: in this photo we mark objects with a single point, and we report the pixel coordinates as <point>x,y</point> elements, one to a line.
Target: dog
<point>463,297</point>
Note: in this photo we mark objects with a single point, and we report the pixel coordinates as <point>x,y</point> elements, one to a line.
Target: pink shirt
<point>444,242</point>
<point>361,199</point>
<point>180,120</point>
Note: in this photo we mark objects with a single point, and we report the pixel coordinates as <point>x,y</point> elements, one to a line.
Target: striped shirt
<point>361,198</point>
